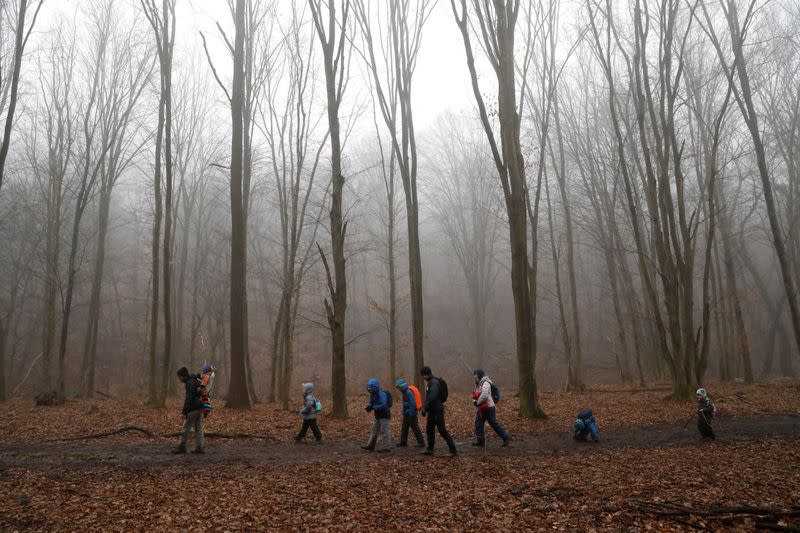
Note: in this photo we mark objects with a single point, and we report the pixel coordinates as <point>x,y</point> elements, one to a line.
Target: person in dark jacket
<point>192,412</point>
<point>705,414</point>
<point>309,414</point>
<point>585,425</point>
<point>410,418</point>
<point>379,404</point>
<point>433,407</point>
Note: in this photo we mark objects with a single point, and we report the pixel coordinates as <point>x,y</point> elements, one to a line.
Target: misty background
<point>650,243</point>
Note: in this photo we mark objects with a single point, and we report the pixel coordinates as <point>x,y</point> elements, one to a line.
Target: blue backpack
<point>388,398</point>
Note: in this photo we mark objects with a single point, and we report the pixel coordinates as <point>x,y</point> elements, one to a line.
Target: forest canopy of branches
<point>615,202</point>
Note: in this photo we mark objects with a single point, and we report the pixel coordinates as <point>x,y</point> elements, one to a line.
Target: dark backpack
<point>388,399</point>
<point>496,395</point>
<point>442,390</point>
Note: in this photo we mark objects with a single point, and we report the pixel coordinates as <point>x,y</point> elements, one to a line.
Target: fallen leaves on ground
<point>598,491</point>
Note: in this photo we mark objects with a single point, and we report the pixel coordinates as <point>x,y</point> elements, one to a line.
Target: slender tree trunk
<point>239,393</point>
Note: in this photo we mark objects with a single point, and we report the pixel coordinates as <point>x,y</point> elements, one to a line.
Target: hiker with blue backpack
<point>412,403</point>
<point>585,425</point>
<point>484,398</point>
<point>380,403</point>
<point>309,413</point>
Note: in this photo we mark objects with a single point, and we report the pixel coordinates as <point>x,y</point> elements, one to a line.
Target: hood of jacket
<point>401,384</point>
<point>373,384</point>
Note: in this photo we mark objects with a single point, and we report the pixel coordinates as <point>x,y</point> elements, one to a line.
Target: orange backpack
<point>417,396</point>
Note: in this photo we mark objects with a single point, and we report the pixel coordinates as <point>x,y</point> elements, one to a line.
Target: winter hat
<point>401,384</point>
<point>702,393</point>
<point>183,372</point>
<point>373,384</point>
<point>207,368</point>
<point>308,387</point>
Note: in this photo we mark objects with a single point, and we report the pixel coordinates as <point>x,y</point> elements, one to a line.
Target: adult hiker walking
<point>192,412</point>
<point>435,398</point>
<point>484,398</point>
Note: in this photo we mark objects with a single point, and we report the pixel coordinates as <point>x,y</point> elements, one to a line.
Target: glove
<point>423,412</point>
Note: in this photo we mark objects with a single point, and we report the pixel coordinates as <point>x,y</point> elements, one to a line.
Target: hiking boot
<point>318,441</point>
<point>452,453</point>
<point>506,442</point>
<point>426,451</point>
<point>367,448</point>
<point>179,449</point>
<point>419,445</point>
<point>478,443</point>
<point>198,450</point>
<point>384,450</point>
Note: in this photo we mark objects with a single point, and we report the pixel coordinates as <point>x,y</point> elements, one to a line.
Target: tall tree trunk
<point>239,393</point>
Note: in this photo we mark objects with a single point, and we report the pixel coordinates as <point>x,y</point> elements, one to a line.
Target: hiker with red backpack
<point>412,403</point>
<point>484,398</point>
<point>433,407</point>
<point>380,403</point>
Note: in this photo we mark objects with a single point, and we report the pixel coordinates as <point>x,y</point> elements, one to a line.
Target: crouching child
<point>380,403</point>
<point>585,426</point>
<point>705,414</point>
<point>192,412</point>
<point>309,414</point>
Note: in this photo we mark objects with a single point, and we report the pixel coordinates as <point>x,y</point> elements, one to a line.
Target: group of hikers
<point>432,406</point>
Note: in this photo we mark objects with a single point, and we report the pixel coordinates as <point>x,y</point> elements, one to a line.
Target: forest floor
<point>649,472</point>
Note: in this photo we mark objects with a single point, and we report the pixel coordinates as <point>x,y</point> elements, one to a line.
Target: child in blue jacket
<point>585,425</point>
<point>410,414</point>
<point>380,403</point>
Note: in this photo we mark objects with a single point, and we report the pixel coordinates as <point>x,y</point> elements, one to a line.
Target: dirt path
<point>154,453</point>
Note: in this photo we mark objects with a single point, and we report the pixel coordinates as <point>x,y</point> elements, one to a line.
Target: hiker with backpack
<point>192,412</point>
<point>585,425</point>
<point>412,403</point>
<point>433,407</point>
<point>309,413</point>
<point>484,398</point>
<point>705,414</point>
<point>380,403</point>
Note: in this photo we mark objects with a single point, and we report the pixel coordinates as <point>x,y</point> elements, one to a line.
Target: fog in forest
<point>566,193</point>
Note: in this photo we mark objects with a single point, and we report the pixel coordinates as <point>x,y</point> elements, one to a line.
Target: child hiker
<point>705,414</point>
<point>412,403</point>
<point>380,402</point>
<point>192,412</point>
<point>584,426</point>
<point>309,414</point>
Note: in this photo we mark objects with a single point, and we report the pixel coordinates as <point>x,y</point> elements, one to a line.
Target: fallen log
<point>104,434</point>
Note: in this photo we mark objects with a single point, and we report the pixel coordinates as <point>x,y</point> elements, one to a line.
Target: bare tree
<point>497,22</point>
<point>332,36</point>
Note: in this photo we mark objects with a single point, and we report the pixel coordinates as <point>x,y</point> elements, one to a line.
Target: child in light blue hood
<point>309,414</point>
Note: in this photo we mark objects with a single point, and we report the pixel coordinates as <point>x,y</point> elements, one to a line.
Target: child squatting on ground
<point>309,414</point>
<point>380,403</point>
<point>584,426</point>
<point>705,414</point>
